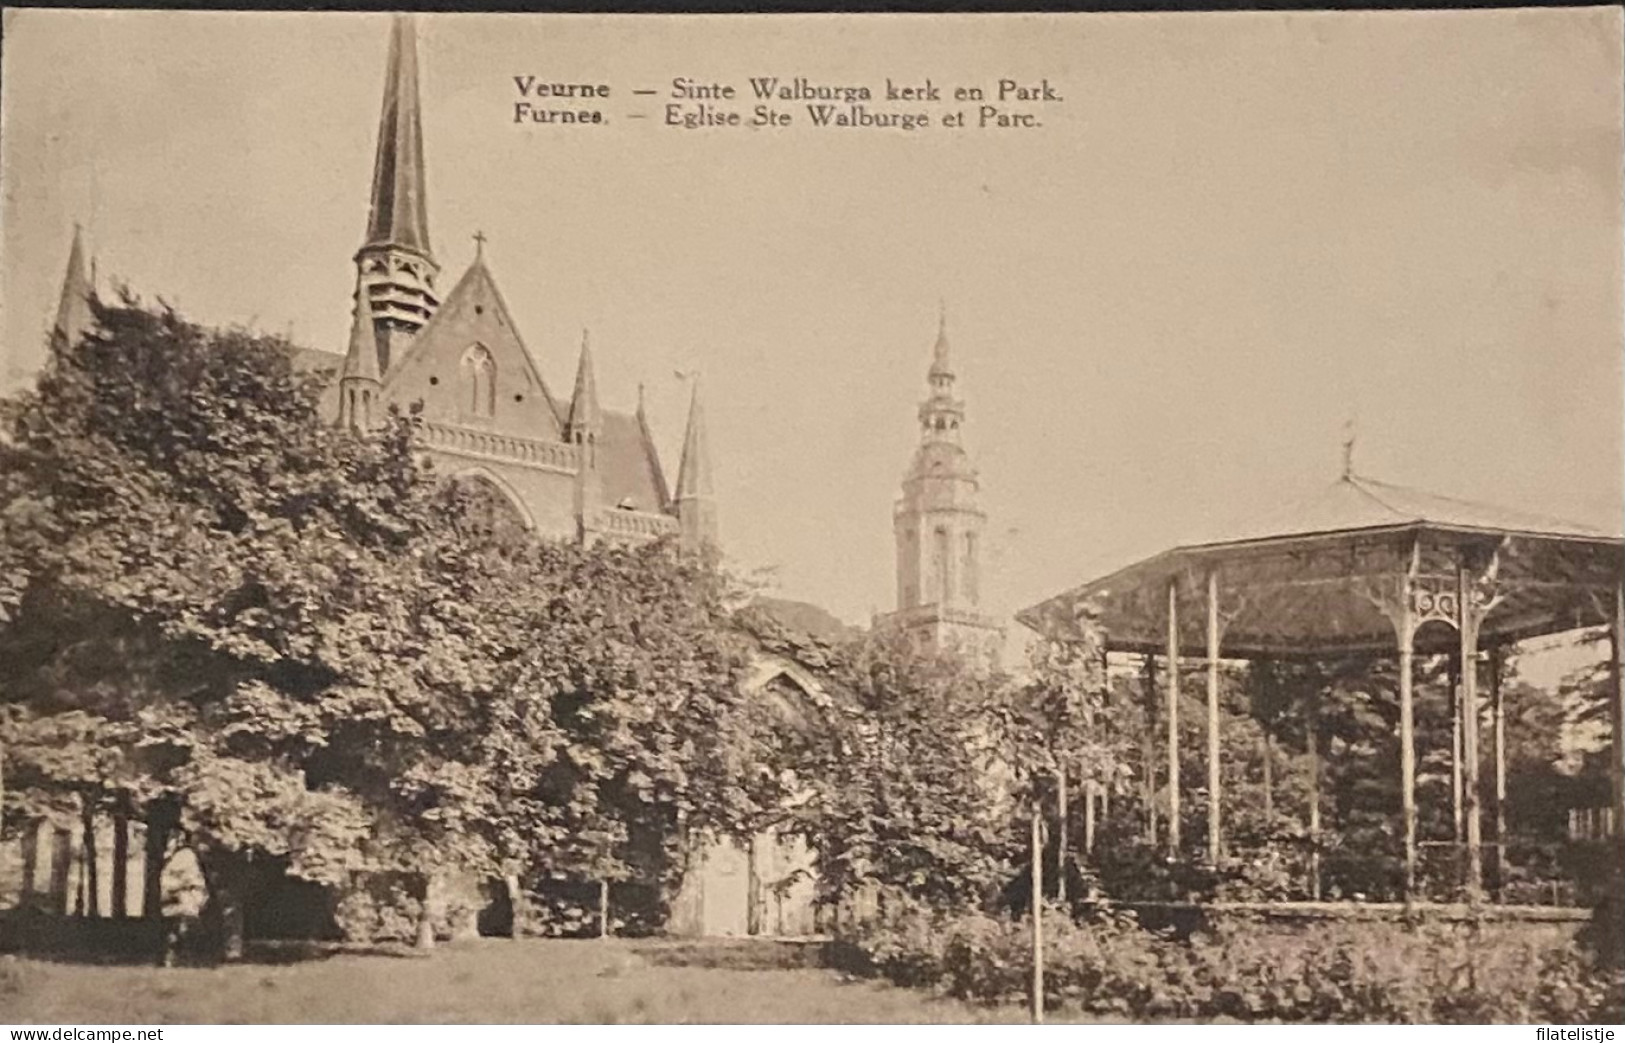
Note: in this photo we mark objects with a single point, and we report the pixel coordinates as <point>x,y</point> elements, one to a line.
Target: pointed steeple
<point>358,381</point>
<point>939,353</point>
<point>399,202</point>
<point>695,500</point>
<point>73,315</point>
<point>586,421</point>
<point>361,361</point>
<point>395,262</point>
<point>941,413</point>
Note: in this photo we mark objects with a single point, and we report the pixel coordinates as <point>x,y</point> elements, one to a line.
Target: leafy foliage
<point>1322,973</point>
<point>291,644</point>
<point>894,791</point>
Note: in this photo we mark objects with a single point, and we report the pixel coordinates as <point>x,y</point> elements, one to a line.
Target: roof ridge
<point>1360,484</point>
<point>1481,504</point>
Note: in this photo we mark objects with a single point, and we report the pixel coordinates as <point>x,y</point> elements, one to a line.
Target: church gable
<point>468,367</point>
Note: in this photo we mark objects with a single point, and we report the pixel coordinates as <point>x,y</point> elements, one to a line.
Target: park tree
<point>184,519</point>
<point>901,792</point>
<point>284,644</point>
<point>617,731</point>
<point>1065,741</point>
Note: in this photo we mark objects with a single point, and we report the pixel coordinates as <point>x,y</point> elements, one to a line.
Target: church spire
<point>939,353</point>
<point>395,262</point>
<point>941,413</point>
<point>695,499</point>
<point>398,216</point>
<point>73,315</point>
<point>586,420</point>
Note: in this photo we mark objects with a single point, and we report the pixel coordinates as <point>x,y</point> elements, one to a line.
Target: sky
<point>1233,235</point>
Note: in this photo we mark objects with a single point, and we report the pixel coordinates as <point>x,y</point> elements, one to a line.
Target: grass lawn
<point>485,980</point>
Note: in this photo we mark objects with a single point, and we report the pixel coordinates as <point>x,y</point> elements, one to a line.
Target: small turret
<point>359,380</point>
<point>583,429</point>
<point>695,501</point>
<point>586,421</point>
<point>73,314</point>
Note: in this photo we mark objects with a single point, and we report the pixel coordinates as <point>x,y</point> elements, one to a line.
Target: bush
<point>1367,972</point>
<point>378,909</point>
<point>382,907</point>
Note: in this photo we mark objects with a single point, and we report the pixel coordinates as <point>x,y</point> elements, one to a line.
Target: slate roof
<point>627,465</point>
<point>399,212</point>
<point>1356,502</point>
<point>312,360</point>
<point>1297,579</point>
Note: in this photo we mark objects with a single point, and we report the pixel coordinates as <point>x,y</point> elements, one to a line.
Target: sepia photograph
<point>1102,518</point>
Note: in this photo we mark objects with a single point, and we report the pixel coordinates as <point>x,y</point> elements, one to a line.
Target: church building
<point>568,468</point>
<point>563,468</point>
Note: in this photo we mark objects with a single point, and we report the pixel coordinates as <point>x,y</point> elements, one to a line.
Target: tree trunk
<point>78,878</point>
<point>1269,778</point>
<point>1038,916</point>
<point>1148,751</point>
<point>87,817</point>
<point>1061,838</point>
<point>603,908</point>
<point>753,891</point>
<point>1312,741</point>
<point>61,869</point>
<point>31,835</point>
<point>152,865</point>
<point>426,912</point>
<point>121,865</point>
<point>516,903</point>
<point>227,879</point>
<point>233,932</point>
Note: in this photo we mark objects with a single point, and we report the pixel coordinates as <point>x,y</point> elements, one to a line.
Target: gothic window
<point>969,572</point>
<point>908,569</point>
<point>940,560</point>
<point>479,382</point>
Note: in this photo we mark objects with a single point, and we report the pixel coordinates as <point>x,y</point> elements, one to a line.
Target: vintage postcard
<point>890,518</point>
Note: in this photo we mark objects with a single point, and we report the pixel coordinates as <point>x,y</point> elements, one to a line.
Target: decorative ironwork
<point>1434,598</point>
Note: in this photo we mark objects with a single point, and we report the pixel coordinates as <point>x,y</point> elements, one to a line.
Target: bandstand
<point>1367,568</point>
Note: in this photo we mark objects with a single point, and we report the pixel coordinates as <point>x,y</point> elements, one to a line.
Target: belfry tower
<point>395,268</point>
<point>938,528</point>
